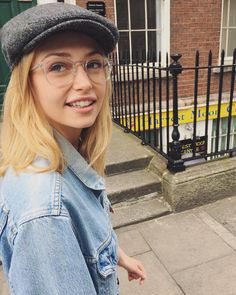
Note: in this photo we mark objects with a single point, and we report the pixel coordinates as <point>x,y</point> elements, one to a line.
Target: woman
<point>55,232</point>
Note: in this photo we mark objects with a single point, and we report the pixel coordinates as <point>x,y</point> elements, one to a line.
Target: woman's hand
<point>133,266</point>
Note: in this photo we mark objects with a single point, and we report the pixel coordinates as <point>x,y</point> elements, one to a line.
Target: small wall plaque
<point>97,7</point>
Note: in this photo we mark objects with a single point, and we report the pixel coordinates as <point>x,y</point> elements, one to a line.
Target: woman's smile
<point>82,105</point>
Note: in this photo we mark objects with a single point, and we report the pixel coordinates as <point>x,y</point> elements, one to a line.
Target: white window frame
<point>165,27</point>
<point>229,59</point>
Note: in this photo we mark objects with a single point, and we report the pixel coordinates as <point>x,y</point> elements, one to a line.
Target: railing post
<point>175,163</point>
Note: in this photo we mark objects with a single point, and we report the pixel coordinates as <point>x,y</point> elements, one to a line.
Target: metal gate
<point>8,9</point>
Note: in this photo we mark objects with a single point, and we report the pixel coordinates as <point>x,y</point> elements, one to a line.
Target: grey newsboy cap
<point>27,30</point>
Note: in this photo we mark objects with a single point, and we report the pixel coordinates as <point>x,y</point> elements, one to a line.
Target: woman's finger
<point>143,272</point>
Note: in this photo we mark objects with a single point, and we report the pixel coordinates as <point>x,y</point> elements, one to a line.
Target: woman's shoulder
<point>30,194</point>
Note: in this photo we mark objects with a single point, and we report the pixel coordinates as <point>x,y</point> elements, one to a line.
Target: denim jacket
<point>55,232</point>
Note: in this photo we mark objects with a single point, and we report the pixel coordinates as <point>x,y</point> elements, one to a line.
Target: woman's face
<point>69,98</point>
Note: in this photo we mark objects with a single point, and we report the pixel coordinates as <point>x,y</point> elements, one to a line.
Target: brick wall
<point>195,25</point>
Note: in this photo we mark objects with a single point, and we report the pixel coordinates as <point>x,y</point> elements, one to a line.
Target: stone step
<point>126,153</point>
<point>144,208</point>
<point>130,185</point>
<point>121,166</point>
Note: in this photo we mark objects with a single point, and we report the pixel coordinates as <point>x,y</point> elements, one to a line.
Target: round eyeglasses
<point>60,71</point>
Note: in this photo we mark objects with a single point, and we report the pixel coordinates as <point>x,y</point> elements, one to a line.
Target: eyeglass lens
<point>61,71</point>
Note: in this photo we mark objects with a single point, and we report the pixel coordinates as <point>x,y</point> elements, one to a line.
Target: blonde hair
<point>26,133</point>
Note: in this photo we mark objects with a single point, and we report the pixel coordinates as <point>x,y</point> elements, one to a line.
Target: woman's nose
<point>81,78</point>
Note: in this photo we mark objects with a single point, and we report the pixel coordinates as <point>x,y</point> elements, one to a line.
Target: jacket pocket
<point>108,258</point>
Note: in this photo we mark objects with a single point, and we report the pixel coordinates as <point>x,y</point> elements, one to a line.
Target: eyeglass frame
<point>75,69</point>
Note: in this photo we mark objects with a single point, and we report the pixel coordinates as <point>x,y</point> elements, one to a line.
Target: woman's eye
<point>57,68</point>
<point>94,64</point>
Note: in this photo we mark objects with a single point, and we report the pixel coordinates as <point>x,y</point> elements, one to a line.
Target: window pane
<point>224,126</point>
<point>232,42</point>
<point>234,135</point>
<point>152,45</point>
<point>122,14</point>
<point>223,39</point>
<point>158,36</point>
<point>138,43</point>
<point>158,14</point>
<point>225,13</point>
<point>223,142</point>
<point>137,11</point>
<point>234,141</point>
<point>232,14</point>
<point>223,132</point>
<point>151,14</point>
<point>124,46</point>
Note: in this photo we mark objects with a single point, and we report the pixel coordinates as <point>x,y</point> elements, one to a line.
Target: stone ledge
<point>200,184</point>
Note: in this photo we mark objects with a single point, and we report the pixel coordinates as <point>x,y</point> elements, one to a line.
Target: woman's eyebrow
<point>63,54</point>
<point>66,54</point>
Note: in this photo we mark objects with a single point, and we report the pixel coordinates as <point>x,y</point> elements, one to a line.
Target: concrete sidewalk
<point>193,252</point>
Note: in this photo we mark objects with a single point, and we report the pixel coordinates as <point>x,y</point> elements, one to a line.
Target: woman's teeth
<point>81,104</point>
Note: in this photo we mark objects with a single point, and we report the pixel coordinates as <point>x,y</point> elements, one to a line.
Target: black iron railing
<point>146,102</point>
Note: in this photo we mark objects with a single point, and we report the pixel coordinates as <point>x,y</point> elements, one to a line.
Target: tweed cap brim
<point>27,30</point>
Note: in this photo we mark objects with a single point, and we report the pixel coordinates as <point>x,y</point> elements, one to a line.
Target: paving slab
<point>219,229</point>
<point>182,241</point>
<point>158,281</point>
<point>224,212</point>
<point>216,277</point>
<point>133,242</point>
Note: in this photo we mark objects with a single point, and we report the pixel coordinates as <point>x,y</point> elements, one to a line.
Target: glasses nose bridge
<point>79,63</point>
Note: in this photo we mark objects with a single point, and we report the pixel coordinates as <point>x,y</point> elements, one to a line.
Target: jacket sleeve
<point>47,260</point>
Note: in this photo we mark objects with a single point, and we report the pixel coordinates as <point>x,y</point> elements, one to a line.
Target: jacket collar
<point>78,164</point>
